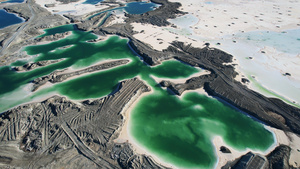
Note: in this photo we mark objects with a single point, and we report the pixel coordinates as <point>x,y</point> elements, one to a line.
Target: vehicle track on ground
<point>19,30</point>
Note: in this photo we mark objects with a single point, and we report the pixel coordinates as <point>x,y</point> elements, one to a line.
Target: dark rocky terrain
<point>158,17</point>
<point>277,159</point>
<point>59,132</point>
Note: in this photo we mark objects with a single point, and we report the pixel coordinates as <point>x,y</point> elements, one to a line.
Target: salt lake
<point>179,130</point>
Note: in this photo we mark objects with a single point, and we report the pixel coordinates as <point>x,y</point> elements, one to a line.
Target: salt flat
<point>229,25</point>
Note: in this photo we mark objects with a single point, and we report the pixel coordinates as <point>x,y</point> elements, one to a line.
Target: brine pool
<point>8,19</point>
<point>178,130</point>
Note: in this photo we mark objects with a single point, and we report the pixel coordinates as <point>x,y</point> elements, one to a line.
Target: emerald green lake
<point>179,130</point>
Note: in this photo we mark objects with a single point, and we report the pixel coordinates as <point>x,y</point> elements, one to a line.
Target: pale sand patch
<point>223,158</point>
<point>118,18</point>
<point>274,60</point>
<point>267,68</point>
<point>222,17</point>
<point>180,80</point>
<point>295,153</point>
<point>160,37</point>
<point>287,63</point>
<point>291,140</point>
<point>74,8</point>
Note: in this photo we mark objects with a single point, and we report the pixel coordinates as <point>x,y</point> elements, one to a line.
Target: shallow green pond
<point>177,129</point>
<point>180,130</point>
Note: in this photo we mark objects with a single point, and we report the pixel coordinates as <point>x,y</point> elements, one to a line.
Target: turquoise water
<point>139,7</point>
<point>209,3</point>
<point>93,2</point>
<point>178,130</point>
<point>13,1</point>
<point>7,19</point>
<point>133,8</point>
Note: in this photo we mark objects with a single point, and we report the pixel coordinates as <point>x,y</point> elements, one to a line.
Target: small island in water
<point>149,84</point>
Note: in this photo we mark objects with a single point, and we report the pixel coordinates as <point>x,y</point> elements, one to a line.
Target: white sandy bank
<point>74,8</point>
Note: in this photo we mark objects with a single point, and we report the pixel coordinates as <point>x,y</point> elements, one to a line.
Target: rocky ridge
<point>60,76</point>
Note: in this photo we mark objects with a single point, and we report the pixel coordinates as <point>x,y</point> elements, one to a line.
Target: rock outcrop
<point>279,158</point>
<point>31,66</point>
<point>224,149</point>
